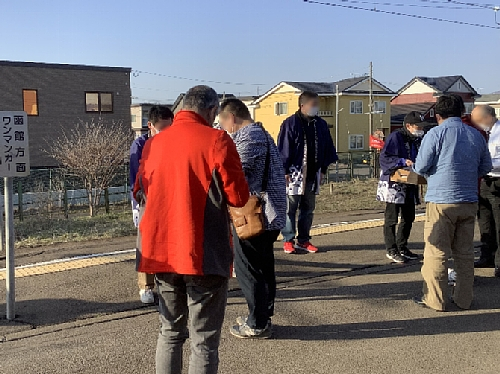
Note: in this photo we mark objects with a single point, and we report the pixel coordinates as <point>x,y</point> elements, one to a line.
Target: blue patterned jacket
<point>252,145</point>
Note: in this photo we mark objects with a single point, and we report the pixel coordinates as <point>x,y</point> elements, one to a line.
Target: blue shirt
<point>452,157</point>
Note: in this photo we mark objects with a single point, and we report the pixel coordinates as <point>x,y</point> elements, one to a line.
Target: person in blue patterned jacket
<point>307,150</point>
<point>254,257</point>
<point>400,151</point>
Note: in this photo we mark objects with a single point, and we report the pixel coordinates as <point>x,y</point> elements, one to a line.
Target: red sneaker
<point>289,248</point>
<point>307,246</point>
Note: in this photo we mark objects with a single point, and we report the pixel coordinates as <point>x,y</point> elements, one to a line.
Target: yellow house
<point>281,101</point>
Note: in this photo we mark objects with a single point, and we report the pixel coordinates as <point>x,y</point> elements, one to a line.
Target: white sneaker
<point>147,296</point>
<point>452,277</point>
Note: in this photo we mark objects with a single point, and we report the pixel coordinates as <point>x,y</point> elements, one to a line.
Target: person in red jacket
<point>189,174</point>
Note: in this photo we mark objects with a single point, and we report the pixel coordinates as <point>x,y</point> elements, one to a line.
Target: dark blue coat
<point>135,159</point>
<point>291,141</point>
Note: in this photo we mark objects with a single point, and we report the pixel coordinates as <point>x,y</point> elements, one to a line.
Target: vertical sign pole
<point>9,246</point>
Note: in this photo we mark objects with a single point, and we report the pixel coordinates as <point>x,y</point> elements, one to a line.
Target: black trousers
<point>399,240</point>
<point>489,218</point>
<point>254,265</point>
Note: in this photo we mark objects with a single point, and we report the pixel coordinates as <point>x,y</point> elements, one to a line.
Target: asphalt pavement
<point>343,310</point>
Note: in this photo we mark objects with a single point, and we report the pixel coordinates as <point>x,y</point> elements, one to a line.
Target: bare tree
<point>93,152</point>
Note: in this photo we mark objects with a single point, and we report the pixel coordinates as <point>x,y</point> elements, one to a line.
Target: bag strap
<point>265,178</point>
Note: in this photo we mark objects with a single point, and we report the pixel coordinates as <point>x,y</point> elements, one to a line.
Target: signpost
<point>14,162</point>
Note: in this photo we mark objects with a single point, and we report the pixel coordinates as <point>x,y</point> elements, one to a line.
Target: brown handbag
<point>249,220</point>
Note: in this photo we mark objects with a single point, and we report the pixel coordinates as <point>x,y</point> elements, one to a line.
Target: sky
<point>258,43</point>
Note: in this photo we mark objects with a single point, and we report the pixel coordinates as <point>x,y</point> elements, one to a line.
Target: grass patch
<point>43,230</point>
<point>357,194</point>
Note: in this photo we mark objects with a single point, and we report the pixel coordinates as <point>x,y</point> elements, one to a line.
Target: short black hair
<point>236,107</point>
<point>461,101</point>
<point>449,106</point>
<point>158,113</point>
<point>307,96</point>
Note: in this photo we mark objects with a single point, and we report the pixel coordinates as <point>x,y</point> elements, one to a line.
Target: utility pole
<point>370,104</point>
<point>337,115</point>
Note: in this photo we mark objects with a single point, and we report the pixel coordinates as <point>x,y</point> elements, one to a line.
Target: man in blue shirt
<point>452,157</point>
<point>159,118</point>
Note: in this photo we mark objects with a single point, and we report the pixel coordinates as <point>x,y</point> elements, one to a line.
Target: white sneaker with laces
<point>147,296</point>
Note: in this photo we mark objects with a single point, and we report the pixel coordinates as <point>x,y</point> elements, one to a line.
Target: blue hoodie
<point>135,159</point>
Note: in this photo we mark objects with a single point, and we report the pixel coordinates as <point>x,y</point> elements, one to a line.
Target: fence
<point>356,164</point>
<point>53,189</point>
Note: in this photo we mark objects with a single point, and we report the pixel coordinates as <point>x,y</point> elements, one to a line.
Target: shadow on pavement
<point>465,322</point>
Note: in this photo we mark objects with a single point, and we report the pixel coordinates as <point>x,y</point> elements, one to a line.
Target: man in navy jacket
<point>307,149</point>
<point>400,151</point>
<point>159,118</point>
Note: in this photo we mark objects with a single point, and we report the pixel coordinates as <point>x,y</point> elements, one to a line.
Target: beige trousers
<point>449,232</point>
<point>144,280</point>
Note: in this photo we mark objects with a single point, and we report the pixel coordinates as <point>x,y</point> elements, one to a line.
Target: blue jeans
<point>305,204</point>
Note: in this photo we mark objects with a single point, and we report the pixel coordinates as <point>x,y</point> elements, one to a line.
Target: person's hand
<point>409,163</point>
<point>287,178</point>
<point>135,217</point>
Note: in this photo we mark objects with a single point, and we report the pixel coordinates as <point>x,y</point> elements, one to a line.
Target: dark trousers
<point>489,218</point>
<point>254,266</point>
<point>203,300</point>
<point>399,240</point>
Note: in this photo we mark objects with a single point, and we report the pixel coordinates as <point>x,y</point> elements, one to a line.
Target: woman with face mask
<point>400,151</point>
<point>254,257</point>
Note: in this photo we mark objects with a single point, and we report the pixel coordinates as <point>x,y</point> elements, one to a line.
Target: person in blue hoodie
<point>400,151</point>
<point>306,149</point>
<point>159,118</point>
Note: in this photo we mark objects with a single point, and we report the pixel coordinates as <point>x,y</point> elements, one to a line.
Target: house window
<point>325,113</point>
<point>101,102</point>
<point>280,109</point>
<point>469,107</point>
<point>379,107</point>
<point>357,107</point>
<point>133,118</point>
<point>30,102</point>
<point>356,142</point>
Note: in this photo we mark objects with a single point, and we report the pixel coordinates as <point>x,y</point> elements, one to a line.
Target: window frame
<point>471,107</point>
<point>277,110</point>
<point>375,103</point>
<point>99,102</point>
<point>37,102</point>
<point>355,101</point>
<point>362,142</point>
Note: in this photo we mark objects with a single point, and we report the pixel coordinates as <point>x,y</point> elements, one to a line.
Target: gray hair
<point>201,98</point>
<point>487,110</point>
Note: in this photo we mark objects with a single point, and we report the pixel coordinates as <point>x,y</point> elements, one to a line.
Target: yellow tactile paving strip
<point>70,264</point>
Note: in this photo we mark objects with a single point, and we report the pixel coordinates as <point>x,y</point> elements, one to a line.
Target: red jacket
<point>189,172</point>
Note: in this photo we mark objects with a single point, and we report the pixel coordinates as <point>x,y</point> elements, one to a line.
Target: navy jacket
<point>291,144</point>
<point>135,160</point>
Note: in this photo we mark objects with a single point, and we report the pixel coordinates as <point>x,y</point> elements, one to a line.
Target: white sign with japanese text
<point>14,145</point>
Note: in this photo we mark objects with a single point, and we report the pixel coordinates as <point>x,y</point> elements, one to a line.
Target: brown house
<point>57,96</point>
<point>421,94</point>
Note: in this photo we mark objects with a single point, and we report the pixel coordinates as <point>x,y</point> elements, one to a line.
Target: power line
<point>136,73</point>
<point>484,6</point>
<point>402,14</point>
<point>435,6</point>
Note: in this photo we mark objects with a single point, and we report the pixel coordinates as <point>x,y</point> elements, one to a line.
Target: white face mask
<point>418,133</point>
<point>313,112</point>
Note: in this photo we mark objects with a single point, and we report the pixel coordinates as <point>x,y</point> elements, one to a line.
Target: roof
<point>329,88</point>
<point>494,97</point>
<point>440,84</point>
<point>63,66</point>
<point>398,112</point>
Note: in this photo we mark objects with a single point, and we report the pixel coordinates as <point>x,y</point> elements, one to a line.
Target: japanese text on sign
<point>14,146</point>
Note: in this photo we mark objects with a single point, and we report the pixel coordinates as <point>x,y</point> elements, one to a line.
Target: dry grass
<point>358,194</point>
<point>42,230</point>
